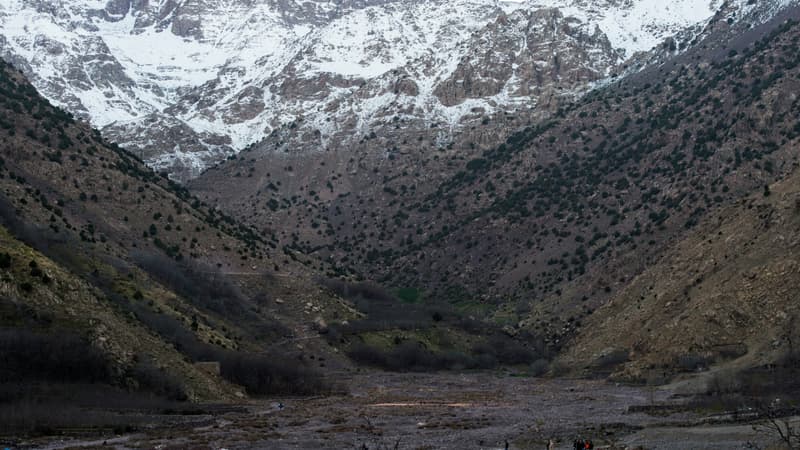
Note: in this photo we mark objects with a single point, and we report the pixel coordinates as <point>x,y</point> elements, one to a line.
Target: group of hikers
<point>583,445</point>
<point>579,444</point>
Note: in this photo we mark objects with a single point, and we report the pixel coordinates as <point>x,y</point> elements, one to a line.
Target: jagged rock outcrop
<point>526,54</point>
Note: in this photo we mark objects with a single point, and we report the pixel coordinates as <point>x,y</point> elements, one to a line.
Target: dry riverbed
<point>440,411</point>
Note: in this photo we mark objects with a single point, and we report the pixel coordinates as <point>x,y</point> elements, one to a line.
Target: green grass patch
<point>408,294</point>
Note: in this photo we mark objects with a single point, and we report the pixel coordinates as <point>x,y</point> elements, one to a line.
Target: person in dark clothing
<point>578,445</point>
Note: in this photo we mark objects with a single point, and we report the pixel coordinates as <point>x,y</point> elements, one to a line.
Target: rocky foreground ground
<point>444,411</point>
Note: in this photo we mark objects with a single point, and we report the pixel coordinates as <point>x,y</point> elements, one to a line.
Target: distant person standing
<point>577,445</point>
<point>551,445</point>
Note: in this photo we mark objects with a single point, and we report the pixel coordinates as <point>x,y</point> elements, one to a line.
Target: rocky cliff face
<point>526,54</point>
<point>186,83</point>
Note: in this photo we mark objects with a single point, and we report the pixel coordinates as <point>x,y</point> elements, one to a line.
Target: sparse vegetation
<point>498,261</point>
<point>266,374</point>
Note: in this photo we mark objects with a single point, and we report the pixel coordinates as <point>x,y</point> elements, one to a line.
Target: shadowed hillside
<point>115,277</point>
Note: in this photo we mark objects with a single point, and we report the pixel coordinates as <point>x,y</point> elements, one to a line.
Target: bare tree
<point>778,425</point>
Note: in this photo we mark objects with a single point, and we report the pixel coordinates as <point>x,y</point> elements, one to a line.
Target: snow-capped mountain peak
<point>187,82</point>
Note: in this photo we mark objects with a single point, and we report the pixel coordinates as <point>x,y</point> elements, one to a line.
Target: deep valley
<point>399,224</point>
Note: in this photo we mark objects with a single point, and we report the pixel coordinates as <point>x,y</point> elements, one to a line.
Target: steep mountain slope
<point>183,84</point>
<point>727,291</point>
<point>542,229</point>
<point>106,250</point>
<point>57,299</point>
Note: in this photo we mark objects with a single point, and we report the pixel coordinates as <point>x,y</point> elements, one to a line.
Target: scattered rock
<point>320,325</point>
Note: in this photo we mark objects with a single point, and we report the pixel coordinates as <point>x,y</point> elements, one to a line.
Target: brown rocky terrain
<point>539,231</point>
<point>727,292</point>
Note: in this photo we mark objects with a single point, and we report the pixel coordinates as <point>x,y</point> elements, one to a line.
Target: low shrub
<point>611,359</point>
<point>354,291</point>
<point>152,379</point>
<point>505,350</point>
<point>61,357</point>
<point>692,362</point>
<point>263,374</point>
<point>413,356</point>
<point>205,287</point>
<point>539,367</point>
